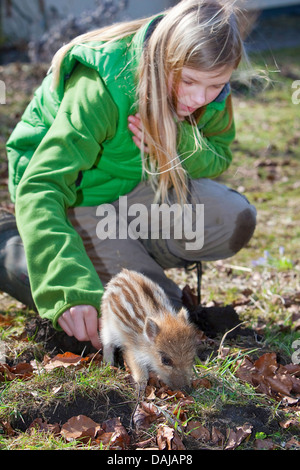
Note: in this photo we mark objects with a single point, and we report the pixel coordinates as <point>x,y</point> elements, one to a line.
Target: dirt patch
<point>261,419</point>
<point>231,417</point>
<point>105,406</point>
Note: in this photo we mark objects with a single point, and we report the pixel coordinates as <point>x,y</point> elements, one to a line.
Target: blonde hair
<point>199,34</point>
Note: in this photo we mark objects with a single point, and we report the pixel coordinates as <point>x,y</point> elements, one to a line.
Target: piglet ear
<point>183,314</point>
<point>151,329</point>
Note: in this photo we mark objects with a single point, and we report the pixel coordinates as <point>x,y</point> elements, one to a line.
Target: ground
<point>246,389</point>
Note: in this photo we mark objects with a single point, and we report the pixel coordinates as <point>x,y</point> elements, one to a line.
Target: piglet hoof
<point>141,388</point>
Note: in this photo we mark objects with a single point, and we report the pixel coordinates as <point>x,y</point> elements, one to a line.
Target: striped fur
<point>137,317</point>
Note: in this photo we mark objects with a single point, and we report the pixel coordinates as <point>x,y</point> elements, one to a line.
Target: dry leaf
<point>150,392</point>
<point>289,401</point>
<point>20,371</point>
<point>293,443</point>
<point>293,369</point>
<point>217,437</point>
<point>269,377</point>
<point>245,371</point>
<point>80,427</point>
<point>264,444</point>
<point>266,364</point>
<point>65,360</point>
<point>235,438</point>
<point>175,393</point>
<point>197,431</point>
<point>5,320</point>
<point>201,383</point>
<point>120,437</point>
<point>7,429</point>
<point>42,426</point>
<point>106,439</point>
<point>145,415</point>
<point>5,373</point>
<point>290,422</point>
<point>168,439</point>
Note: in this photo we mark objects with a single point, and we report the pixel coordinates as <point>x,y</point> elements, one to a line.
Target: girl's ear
<point>151,329</point>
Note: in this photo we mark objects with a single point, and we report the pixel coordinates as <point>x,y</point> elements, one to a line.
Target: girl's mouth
<point>187,109</point>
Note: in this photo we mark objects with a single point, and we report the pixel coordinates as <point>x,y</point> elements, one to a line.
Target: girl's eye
<point>186,82</point>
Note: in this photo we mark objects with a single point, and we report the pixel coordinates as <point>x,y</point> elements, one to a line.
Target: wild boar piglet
<point>138,317</point>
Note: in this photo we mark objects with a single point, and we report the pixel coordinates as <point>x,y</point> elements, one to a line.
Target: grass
<point>262,282</point>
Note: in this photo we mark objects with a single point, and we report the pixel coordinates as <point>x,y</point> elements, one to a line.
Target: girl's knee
<point>244,229</point>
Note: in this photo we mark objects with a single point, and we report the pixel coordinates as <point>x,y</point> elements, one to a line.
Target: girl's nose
<point>199,97</point>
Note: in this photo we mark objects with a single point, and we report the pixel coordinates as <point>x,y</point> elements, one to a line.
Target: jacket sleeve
<point>209,155</point>
<point>60,272</point>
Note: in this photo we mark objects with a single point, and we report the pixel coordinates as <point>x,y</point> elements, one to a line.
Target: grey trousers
<point>227,223</point>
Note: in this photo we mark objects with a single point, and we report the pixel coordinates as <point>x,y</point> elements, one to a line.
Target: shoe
<point>13,267</point>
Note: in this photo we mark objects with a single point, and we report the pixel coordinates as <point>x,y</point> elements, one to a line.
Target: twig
<point>131,424</point>
<point>239,268</point>
<point>224,336</point>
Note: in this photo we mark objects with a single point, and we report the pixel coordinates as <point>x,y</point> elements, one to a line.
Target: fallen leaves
<point>145,415</point>
<point>235,438</point>
<point>20,371</point>
<point>111,434</point>
<point>172,437</point>
<point>65,360</point>
<point>38,425</point>
<point>25,370</point>
<point>271,378</point>
<point>168,439</point>
<point>80,427</point>
<point>197,431</point>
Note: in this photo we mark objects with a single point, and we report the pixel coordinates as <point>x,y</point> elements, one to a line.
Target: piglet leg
<point>108,353</point>
<point>139,373</point>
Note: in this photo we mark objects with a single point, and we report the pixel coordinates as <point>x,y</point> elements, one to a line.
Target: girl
<point>140,109</point>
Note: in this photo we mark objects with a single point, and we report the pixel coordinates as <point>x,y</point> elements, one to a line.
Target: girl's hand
<point>82,322</point>
<point>136,127</point>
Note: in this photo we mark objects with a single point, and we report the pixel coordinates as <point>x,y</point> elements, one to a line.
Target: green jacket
<point>72,147</point>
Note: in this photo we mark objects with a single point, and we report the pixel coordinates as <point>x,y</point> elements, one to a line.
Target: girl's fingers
<point>65,326</point>
<point>135,125</point>
<point>138,142</point>
<point>82,322</point>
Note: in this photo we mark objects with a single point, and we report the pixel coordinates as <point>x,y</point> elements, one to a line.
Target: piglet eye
<point>166,361</point>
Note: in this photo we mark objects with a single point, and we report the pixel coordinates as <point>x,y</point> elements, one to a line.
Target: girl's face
<point>197,89</point>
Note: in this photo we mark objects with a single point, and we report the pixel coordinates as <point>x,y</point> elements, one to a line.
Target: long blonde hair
<point>200,34</point>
